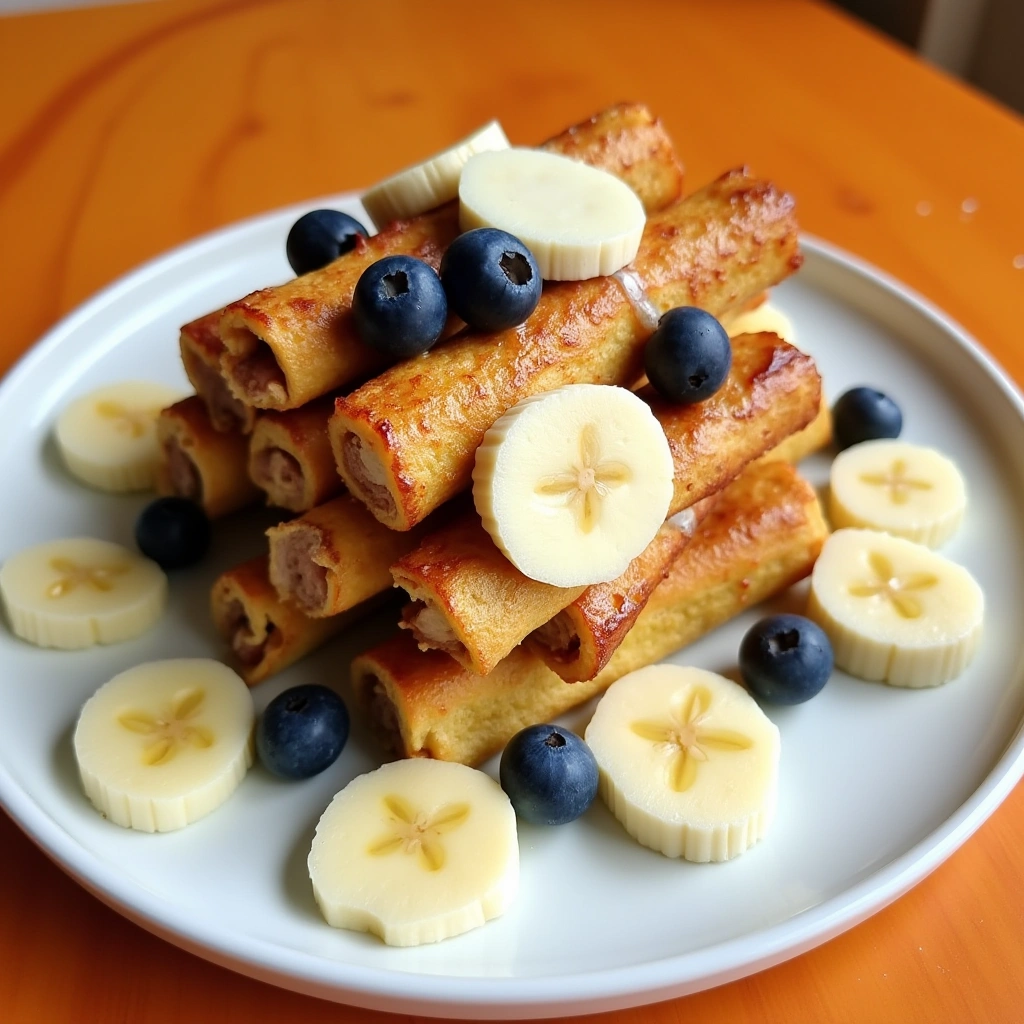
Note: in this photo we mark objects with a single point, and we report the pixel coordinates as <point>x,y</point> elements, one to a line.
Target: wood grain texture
<point>128,129</point>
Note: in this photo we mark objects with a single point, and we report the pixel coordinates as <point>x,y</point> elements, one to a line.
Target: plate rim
<point>503,997</point>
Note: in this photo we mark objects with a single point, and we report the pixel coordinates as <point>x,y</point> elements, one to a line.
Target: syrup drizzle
<point>646,311</point>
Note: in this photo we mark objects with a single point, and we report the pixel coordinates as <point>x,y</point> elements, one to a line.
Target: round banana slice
<point>894,610</point>
<point>431,183</point>
<point>415,852</point>
<point>574,483</point>
<point>107,438</point>
<point>578,221</point>
<point>80,591</point>
<point>165,743</point>
<point>765,319</point>
<point>900,488</point>
<point>688,762</point>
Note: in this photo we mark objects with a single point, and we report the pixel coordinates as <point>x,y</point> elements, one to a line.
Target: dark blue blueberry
<point>302,731</point>
<point>399,306</point>
<point>174,532</point>
<point>864,414</point>
<point>491,279</point>
<point>549,775</point>
<point>320,236</point>
<point>785,659</point>
<point>688,357</point>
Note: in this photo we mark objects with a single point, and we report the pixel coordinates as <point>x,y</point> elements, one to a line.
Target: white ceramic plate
<point>878,785</point>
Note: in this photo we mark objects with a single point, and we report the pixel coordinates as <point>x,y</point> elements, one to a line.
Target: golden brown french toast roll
<point>197,462</point>
<point>290,457</point>
<point>265,634</point>
<point>815,436</point>
<point>405,441</point>
<point>763,535</point>
<point>287,345</point>
<point>582,638</point>
<point>201,349</point>
<point>334,557</point>
<point>627,140</point>
<point>457,576</point>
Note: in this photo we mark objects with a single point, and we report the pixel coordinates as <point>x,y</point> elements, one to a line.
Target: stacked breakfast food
<point>547,401</point>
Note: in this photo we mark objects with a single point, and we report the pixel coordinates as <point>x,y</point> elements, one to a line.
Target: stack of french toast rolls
<point>375,462</point>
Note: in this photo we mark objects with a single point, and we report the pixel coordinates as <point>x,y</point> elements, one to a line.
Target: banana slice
<point>107,438</point>
<point>431,183</point>
<point>165,743</point>
<point>578,221</point>
<point>574,483</point>
<point>78,592</point>
<point>416,851</point>
<point>688,762</point>
<point>894,610</point>
<point>900,488</point>
<point>766,318</point>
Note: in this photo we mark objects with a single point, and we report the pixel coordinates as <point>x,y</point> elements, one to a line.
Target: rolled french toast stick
<point>405,441</point>
<point>287,345</point>
<point>335,556</point>
<point>201,350</point>
<point>457,577</point>
<point>290,457</point>
<point>763,535</point>
<point>197,462</point>
<point>265,635</point>
<point>815,436</point>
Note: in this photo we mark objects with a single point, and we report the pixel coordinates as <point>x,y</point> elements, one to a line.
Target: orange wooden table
<point>129,129</point>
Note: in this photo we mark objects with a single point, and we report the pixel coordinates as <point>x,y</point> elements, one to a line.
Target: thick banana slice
<point>78,592</point>
<point>894,610</point>
<point>431,183</point>
<point>578,221</point>
<point>165,743</point>
<point>766,318</point>
<point>689,763</point>
<point>574,483</point>
<point>900,488</point>
<point>415,852</point>
<point>107,438</point>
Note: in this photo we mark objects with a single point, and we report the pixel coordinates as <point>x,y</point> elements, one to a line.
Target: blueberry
<point>549,774</point>
<point>173,532</point>
<point>864,414</point>
<point>399,306</point>
<point>785,659</point>
<point>302,731</point>
<point>320,236</point>
<point>491,279</point>
<point>688,356</point>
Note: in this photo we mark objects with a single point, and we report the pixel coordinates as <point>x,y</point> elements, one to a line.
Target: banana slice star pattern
<point>688,762</point>
<point>77,592</point>
<point>165,743</point>
<point>415,852</point>
<point>107,438</point>
<point>578,221</point>
<point>431,183</point>
<point>899,488</point>
<point>894,610</point>
<point>574,483</point>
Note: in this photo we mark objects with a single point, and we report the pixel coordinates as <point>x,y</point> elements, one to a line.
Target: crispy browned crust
<point>582,638</point>
<point>815,436</point>
<point>627,140</point>
<point>457,576</point>
<point>265,635</point>
<point>201,349</point>
<point>772,391</point>
<point>418,425</point>
<point>218,459</point>
<point>343,547</point>
<point>763,535</point>
<point>290,457</point>
<point>287,345</point>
